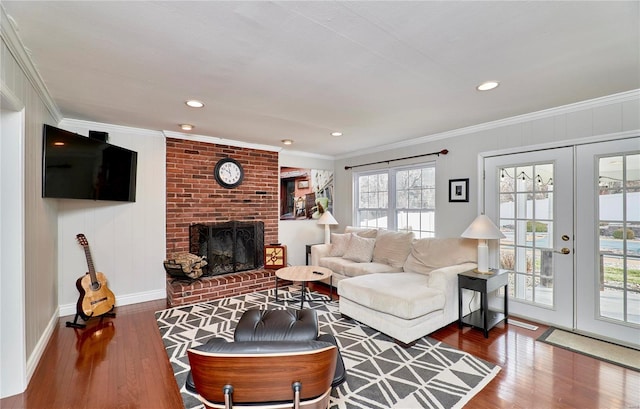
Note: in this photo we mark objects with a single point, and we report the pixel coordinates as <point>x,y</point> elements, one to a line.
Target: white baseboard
<point>38,351</point>
<point>70,309</point>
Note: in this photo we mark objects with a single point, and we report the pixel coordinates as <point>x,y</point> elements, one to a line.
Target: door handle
<point>563,250</point>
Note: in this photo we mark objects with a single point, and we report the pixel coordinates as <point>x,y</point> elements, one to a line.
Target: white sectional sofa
<point>403,287</point>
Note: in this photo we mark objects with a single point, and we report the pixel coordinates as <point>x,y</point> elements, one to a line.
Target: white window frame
<point>392,211</point>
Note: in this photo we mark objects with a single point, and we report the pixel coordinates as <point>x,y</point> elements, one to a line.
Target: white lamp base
<point>483,256</point>
<point>327,234</point>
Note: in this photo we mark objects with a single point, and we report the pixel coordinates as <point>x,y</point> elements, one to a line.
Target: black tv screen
<point>78,167</point>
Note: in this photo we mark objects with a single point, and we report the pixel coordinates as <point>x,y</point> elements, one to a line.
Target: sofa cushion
<point>360,249</point>
<point>404,295</point>
<point>336,264</point>
<point>339,244</point>
<point>349,268</point>
<point>366,232</point>
<point>431,253</point>
<point>392,247</point>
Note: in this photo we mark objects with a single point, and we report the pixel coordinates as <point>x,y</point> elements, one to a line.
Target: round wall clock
<point>229,173</point>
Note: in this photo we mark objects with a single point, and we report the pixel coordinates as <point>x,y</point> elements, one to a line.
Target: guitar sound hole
<point>95,286</point>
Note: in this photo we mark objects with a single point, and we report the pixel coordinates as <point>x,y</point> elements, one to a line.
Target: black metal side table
<point>308,247</point>
<point>484,283</point>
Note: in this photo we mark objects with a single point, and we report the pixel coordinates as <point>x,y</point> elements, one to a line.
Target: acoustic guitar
<point>95,297</point>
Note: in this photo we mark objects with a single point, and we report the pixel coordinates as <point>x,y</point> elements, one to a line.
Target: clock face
<point>229,173</point>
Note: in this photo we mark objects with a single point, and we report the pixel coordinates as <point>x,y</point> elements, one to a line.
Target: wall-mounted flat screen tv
<point>79,167</point>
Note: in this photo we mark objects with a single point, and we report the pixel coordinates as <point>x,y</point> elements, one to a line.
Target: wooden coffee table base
<point>304,274</point>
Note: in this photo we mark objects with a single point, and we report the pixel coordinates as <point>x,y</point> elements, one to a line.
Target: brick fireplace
<point>229,247</point>
<point>194,197</point>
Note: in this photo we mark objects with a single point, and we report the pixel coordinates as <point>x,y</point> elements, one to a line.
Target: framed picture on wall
<point>305,193</point>
<point>458,190</point>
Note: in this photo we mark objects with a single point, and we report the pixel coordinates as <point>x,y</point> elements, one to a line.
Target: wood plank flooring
<point>121,363</point>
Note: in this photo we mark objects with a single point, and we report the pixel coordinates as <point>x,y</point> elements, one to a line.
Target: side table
<point>308,247</point>
<point>484,318</point>
<point>304,274</point>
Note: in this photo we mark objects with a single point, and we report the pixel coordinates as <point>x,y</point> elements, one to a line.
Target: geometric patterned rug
<point>380,373</point>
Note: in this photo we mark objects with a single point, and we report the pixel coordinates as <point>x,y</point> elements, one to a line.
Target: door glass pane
<point>618,244</point>
<point>526,219</point>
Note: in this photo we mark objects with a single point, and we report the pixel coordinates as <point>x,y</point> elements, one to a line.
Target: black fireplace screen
<point>229,247</point>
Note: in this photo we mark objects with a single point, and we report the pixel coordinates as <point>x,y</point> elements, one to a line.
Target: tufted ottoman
<point>279,325</point>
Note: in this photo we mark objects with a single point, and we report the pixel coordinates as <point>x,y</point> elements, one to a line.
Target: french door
<point>530,196</point>
<point>572,235</point>
<point>608,225</point>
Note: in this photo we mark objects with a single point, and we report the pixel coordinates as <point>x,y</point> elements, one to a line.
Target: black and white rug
<point>380,374</point>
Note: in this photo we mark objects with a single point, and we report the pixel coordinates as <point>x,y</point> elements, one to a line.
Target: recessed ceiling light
<point>186,127</point>
<point>336,133</point>
<point>487,85</point>
<point>194,103</point>
<point>287,142</point>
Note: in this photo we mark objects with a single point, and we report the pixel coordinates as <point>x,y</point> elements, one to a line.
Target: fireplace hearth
<point>229,247</point>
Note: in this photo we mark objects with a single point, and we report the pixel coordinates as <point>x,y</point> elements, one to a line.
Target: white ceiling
<point>381,72</point>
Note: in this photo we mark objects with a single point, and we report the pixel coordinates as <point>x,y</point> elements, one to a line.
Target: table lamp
<point>327,219</point>
<point>483,229</point>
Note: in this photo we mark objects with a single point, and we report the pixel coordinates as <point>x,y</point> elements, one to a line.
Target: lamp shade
<point>483,228</point>
<point>327,219</point>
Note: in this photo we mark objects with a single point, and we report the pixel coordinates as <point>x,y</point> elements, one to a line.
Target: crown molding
<point>306,154</point>
<point>626,96</point>
<point>9,34</point>
<point>100,126</point>
<point>220,141</point>
<point>9,100</point>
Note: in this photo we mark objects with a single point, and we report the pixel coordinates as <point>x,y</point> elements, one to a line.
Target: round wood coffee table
<point>304,274</point>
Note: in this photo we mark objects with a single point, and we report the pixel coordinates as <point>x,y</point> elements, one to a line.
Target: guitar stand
<point>76,324</point>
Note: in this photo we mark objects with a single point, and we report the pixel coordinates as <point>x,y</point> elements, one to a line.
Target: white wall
<point>34,278</point>
<point>614,114</point>
<point>13,360</point>
<point>127,240</point>
<point>296,234</point>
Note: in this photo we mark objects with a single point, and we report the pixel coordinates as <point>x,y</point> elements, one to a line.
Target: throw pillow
<point>360,249</point>
<point>339,244</point>
<point>362,231</point>
<point>368,234</point>
<point>429,254</point>
<point>392,247</point>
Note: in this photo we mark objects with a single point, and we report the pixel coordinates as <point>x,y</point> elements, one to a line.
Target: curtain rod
<point>442,152</point>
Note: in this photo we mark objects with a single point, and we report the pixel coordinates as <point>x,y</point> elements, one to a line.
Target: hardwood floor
<point>121,363</point>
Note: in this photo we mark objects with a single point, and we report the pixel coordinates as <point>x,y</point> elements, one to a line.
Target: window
<point>526,219</point>
<point>618,226</point>
<point>401,199</point>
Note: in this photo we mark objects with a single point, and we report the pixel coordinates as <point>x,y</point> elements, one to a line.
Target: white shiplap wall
<point>37,305</point>
<point>127,240</point>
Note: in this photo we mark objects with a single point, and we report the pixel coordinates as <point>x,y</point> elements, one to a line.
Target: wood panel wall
<point>37,240</point>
